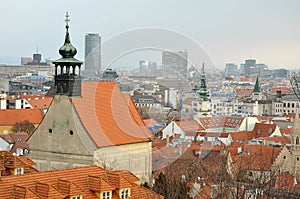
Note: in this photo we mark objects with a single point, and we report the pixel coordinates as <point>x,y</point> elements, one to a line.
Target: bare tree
<point>24,126</point>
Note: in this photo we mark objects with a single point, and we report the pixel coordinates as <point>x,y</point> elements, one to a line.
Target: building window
<point>297,140</point>
<point>76,197</point>
<point>106,195</point>
<point>19,171</point>
<point>284,157</point>
<point>250,173</point>
<point>125,193</point>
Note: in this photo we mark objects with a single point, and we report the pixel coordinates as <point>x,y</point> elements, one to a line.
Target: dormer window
<point>19,171</point>
<point>106,195</point>
<point>76,197</point>
<point>125,193</point>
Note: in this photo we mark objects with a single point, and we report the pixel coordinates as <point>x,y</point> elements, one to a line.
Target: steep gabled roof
<point>109,116</point>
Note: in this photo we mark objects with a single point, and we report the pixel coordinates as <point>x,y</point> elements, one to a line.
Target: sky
<point>228,31</point>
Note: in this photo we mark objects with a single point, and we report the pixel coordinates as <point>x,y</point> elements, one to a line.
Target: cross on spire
<point>67,19</point>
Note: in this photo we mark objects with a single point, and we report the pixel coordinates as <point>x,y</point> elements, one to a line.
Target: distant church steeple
<point>256,94</point>
<point>203,109</point>
<point>202,92</point>
<point>67,69</point>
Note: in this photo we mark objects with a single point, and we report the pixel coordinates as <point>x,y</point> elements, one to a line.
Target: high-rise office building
<point>175,62</point>
<point>249,63</point>
<point>231,69</point>
<point>92,53</point>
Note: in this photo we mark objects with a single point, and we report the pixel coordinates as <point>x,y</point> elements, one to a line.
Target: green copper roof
<point>67,51</point>
<point>256,87</point>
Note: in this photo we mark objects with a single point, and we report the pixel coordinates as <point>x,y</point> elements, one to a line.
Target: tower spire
<point>67,78</point>
<point>203,92</point>
<point>256,87</point>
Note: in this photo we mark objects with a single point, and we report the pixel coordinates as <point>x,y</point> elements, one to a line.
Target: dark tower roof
<point>256,87</point>
<point>67,51</point>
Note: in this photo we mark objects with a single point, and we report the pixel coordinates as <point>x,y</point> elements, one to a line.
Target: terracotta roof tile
<point>10,117</point>
<point>283,90</point>
<point>256,157</point>
<point>40,102</point>
<point>277,139</point>
<point>99,184</point>
<point>286,131</point>
<point>45,184</point>
<point>190,125</point>
<point>110,117</point>
<point>285,181</point>
<point>221,122</point>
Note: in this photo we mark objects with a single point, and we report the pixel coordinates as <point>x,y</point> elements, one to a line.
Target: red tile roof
<point>285,181</point>
<point>9,161</point>
<point>242,136</point>
<point>10,117</point>
<point>244,92</point>
<point>18,140</point>
<point>276,139</point>
<point>283,90</point>
<point>109,116</point>
<point>285,131</point>
<point>190,125</point>
<point>221,121</point>
<point>260,130</point>
<point>256,157</point>
<point>71,182</point>
<point>40,102</point>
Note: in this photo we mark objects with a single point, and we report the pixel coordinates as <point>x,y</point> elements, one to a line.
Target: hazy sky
<point>228,30</point>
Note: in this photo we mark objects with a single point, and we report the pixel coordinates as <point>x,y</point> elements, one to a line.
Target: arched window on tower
<point>297,140</point>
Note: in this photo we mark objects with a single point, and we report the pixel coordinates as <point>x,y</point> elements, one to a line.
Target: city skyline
<point>229,31</point>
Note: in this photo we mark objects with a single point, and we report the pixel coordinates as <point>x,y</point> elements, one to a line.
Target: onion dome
<point>67,50</point>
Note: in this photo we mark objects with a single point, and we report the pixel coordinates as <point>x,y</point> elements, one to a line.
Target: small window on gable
<point>76,197</point>
<point>125,193</point>
<point>19,171</point>
<point>106,195</point>
<point>297,140</point>
<point>19,140</point>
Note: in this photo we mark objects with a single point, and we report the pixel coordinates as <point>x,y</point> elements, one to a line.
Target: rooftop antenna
<point>37,49</point>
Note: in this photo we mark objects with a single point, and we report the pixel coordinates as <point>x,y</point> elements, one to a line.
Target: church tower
<point>203,97</point>
<point>67,69</point>
<point>296,145</point>
<point>256,94</point>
